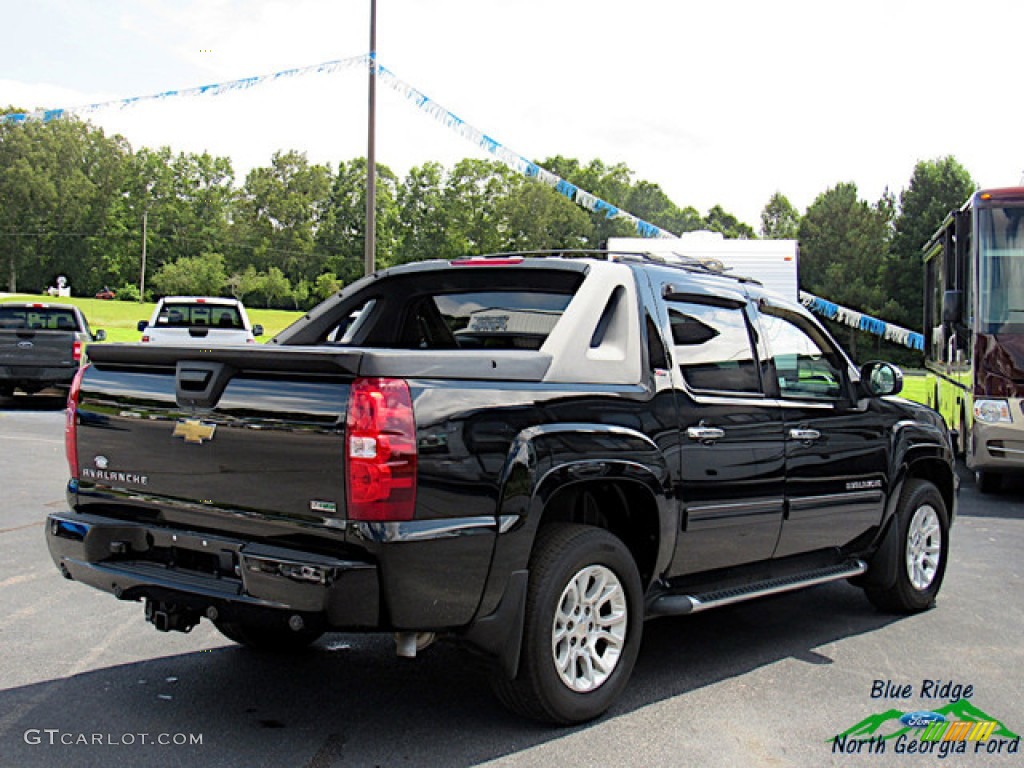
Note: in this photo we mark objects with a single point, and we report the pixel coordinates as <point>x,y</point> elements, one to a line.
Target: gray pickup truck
<point>41,345</point>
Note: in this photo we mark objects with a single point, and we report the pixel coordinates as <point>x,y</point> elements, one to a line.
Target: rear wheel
<point>267,638</point>
<point>923,529</point>
<point>583,625</point>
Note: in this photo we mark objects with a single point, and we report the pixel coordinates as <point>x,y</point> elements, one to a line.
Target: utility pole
<point>142,277</point>
<point>371,153</point>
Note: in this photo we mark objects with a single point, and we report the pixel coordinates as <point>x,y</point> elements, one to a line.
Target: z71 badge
<point>194,431</point>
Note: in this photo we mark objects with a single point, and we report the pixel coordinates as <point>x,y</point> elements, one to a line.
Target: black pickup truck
<point>531,455</point>
<point>41,345</point>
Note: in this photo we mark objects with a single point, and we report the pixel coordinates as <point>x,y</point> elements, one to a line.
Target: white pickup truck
<point>199,321</point>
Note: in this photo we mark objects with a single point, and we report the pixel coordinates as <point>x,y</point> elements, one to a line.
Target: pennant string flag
<point>216,89</point>
<point>432,108</point>
<point>514,160</point>
<point>862,322</point>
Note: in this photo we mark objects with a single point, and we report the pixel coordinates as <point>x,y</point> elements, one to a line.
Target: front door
<point>836,455</point>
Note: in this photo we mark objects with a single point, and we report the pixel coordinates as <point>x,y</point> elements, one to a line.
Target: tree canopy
<point>76,203</point>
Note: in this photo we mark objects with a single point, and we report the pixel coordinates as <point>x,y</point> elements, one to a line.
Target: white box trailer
<point>773,263</point>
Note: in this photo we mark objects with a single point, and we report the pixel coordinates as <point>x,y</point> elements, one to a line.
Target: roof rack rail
<point>681,261</point>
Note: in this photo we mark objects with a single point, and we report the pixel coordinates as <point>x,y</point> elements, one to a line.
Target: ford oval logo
<point>25,345</point>
<point>922,718</point>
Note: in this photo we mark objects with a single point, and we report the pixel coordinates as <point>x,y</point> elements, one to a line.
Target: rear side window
<point>713,348</point>
<point>37,319</point>
<point>200,316</point>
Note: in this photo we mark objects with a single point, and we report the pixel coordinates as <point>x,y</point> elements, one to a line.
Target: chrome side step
<point>673,604</point>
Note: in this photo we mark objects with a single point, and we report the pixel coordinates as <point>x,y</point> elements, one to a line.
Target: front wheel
<point>584,620</point>
<point>988,482</point>
<point>923,527</point>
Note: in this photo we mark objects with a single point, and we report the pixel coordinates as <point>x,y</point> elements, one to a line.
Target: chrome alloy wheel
<point>589,628</point>
<point>924,547</point>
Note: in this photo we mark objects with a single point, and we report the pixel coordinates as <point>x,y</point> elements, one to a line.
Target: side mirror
<point>257,330</point>
<point>952,307</point>
<point>100,336</point>
<point>880,379</point>
<point>142,325</point>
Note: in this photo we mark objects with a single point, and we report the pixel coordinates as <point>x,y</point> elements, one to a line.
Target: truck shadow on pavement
<point>48,400</point>
<point>349,700</point>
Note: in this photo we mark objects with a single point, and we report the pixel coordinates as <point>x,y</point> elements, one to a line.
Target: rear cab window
<point>37,319</point>
<point>473,309</point>
<point>194,315</point>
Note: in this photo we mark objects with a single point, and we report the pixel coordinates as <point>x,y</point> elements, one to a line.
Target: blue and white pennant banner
<point>430,107</point>
<point>513,159</point>
<point>862,322</point>
<point>216,89</point>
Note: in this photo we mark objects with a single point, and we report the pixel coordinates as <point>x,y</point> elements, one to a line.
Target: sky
<point>718,102</point>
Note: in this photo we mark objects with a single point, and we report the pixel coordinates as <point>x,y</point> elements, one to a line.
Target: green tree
<point>720,220</point>
<point>473,195</point>
<point>422,216</point>
<point>202,275</point>
<point>843,245</point>
<point>535,217</point>
<point>325,286</point>
<point>58,184</point>
<point>341,240</point>
<point>779,219</point>
<point>281,209</point>
<point>936,188</point>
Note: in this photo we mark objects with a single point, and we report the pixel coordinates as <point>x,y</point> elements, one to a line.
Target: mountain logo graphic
<point>893,723</point>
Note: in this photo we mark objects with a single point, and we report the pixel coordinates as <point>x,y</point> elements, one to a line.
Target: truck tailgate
<point>202,433</point>
<point>27,347</point>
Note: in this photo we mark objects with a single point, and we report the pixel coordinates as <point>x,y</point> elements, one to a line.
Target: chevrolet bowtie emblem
<point>194,431</point>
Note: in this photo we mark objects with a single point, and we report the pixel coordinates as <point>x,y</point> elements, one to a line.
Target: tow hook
<point>169,617</point>
<point>408,644</point>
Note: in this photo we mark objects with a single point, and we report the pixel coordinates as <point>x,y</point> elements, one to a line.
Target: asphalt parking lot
<point>85,681</point>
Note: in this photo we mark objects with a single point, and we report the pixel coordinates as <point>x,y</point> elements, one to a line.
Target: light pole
<point>371,153</point>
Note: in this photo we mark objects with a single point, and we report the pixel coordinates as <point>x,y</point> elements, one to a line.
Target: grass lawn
<point>916,385</point>
<point>120,319</point>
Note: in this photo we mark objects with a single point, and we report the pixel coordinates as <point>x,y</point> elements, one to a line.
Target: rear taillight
<point>380,451</point>
<point>76,351</point>
<point>71,422</point>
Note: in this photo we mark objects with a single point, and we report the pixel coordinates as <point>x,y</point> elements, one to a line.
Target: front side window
<point>806,365</point>
<point>713,347</point>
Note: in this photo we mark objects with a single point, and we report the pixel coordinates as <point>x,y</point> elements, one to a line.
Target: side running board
<point>673,604</point>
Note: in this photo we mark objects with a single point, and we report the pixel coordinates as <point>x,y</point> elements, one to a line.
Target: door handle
<point>804,435</point>
<point>706,435</point>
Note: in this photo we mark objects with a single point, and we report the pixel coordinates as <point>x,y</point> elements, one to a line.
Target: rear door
<point>731,435</point>
<point>836,452</point>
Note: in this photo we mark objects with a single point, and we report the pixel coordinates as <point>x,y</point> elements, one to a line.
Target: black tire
<point>961,438</point>
<point>272,639</point>
<point>988,482</point>
<point>921,554</point>
<point>574,690</point>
